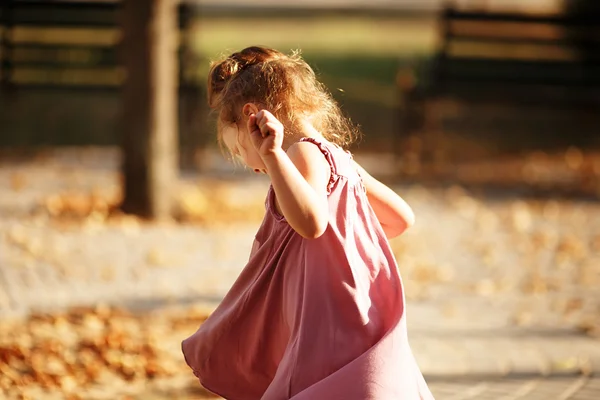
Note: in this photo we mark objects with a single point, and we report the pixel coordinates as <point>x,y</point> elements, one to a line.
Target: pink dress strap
<point>327,152</point>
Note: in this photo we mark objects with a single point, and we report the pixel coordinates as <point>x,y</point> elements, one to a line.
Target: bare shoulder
<point>307,155</point>
<point>311,163</point>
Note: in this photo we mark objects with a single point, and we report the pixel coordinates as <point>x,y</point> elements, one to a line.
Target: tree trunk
<point>150,165</point>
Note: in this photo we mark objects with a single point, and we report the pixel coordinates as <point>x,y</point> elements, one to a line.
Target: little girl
<point>318,313</point>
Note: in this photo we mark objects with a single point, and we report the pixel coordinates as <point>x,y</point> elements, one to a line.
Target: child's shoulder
<point>309,153</point>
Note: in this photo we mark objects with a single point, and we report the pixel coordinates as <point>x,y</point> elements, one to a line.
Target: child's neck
<point>306,130</point>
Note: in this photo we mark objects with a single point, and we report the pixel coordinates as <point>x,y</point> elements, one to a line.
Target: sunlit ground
<point>474,262</point>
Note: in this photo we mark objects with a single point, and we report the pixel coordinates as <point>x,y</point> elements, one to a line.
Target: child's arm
<point>393,213</point>
<point>300,178</point>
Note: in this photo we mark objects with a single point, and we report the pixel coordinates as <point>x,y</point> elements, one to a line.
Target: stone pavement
<point>523,388</point>
<point>581,388</point>
<point>496,287</point>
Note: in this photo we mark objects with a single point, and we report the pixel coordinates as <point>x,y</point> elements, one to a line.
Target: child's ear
<point>248,109</point>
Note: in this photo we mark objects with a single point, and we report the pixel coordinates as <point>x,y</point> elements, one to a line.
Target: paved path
<point>528,388</point>
<point>531,388</point>
<point>494,286</point>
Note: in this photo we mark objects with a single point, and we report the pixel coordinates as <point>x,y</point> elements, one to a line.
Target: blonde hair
<point>284,85</point>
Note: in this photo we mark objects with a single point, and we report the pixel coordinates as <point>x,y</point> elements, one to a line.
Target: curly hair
<point>283,84</point>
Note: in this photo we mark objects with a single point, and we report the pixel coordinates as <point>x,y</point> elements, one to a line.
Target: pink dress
<point>312,319</point>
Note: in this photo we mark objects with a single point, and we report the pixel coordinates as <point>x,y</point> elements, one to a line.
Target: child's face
<point>237,140</point>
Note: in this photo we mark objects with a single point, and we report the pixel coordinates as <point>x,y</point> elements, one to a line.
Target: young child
<point>318,312</point>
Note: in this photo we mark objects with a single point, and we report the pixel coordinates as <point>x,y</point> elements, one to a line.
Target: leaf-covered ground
<point>476,263</point>
<point>95,353</point>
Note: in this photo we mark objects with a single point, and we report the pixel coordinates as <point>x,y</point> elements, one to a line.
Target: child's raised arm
<point>393,213</point>
<point>300,178</point>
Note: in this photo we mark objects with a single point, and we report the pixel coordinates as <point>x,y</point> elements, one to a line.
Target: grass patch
<point>357,57</point>
<point>328,35</point>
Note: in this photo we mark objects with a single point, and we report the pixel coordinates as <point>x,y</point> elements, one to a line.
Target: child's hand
<point>266,132</point>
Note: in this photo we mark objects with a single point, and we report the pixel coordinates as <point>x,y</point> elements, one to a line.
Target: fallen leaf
<point>18,181</point>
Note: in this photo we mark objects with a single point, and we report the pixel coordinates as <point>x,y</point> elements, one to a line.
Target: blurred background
<point>122,225</point>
